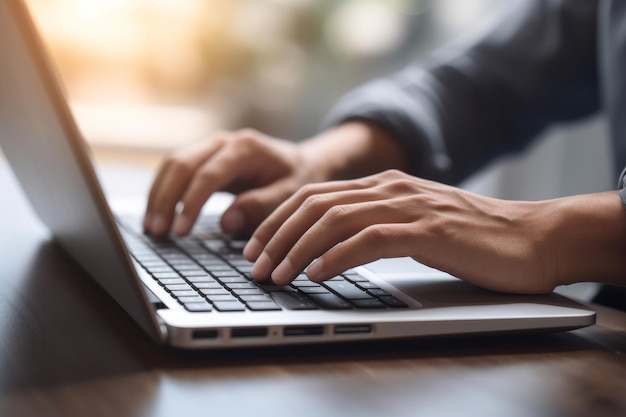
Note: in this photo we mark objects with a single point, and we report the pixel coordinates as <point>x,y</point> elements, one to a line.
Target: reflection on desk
<point>66,349</point>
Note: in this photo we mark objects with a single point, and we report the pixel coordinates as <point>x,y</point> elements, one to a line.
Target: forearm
<point>589,239</point>
<point>354,149</point>
<point>474,101</point>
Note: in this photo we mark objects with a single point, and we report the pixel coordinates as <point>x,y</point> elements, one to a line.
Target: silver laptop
<point>196,292</point>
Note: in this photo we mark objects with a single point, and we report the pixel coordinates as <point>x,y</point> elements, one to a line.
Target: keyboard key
<point>189,273</point>
<point>337,278</point>
<point>216,266</point>
<point>184,293</point>
<point>232,280</point>
<point>274,287</point>
<point>225,273</point>
<point>174,258</point>
<point>203,278</point>
<point>197,307</point>
<point>241,262</point>
<point>240,292</point>
<point>213,291</point>
<point>161,269</point>
<point>209,257</point>
<point>262,306</point>
<point>354,277</point>
<point>366,285</point>
<point>307,283</point>
<point>346,290</point>
<point>165,275</point>
<point>179,287</point>
<point>240,285</point>
<point>155,263</point>
<point>393,302</point>
<point>212,284</point>
<point>221,297</point>
<point>293,301</point>
<point>194,299</point>
<point>330,301</point>
<point>370,303</point>
<point>228,306</point>
<point>314,290</point>
<point>171,281</point>
<point>377,292</point>
<point>257,297</point>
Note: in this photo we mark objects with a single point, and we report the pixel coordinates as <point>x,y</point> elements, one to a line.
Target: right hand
<point>262,172</point>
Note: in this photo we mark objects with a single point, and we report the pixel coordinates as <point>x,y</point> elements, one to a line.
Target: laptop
<point>196,292</point>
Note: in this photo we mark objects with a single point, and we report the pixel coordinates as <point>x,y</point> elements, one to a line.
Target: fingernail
<point>159,225</point>
<point>282,273</point>
<point>261,268</point>
<point>252,250</point>
<point>233,222</point>
<point>314,271</point>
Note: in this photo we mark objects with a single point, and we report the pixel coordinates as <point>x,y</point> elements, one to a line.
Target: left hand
<point>496,244</point>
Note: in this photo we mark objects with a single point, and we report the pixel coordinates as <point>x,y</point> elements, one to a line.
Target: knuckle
<point>248,137</point>
<point>307,191</point>
<point>248,142</point>
<point>401,186</point>
<point>382,178</point>
<point>393,174</point>
<point>205,175</point>
<point>373,235</point>
<point>314,203</point>
<point>334,215</point>
<point>177,162</point>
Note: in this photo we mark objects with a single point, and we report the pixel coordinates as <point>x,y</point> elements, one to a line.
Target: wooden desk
<point>66,349</point>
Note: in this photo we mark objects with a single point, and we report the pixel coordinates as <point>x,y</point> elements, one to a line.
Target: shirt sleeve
<point>533,65</point>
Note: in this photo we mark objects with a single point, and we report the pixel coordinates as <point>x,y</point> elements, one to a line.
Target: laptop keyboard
<point>207,272</point>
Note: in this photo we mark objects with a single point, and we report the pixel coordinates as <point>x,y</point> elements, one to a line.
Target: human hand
<point>261,170</point>
<point>499,245</point>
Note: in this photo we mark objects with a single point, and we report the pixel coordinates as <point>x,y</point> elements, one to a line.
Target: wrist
<point>588,237</point>
<point>353,149</point>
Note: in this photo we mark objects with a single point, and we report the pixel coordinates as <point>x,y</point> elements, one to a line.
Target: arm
<point>501,90</point>
<point>489,95</point>
<point>507,246</point>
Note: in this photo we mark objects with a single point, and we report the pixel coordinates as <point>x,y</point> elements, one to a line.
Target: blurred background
<point>171,71</point>
<point>147,76</point>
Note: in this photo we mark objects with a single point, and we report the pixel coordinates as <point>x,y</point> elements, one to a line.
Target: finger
<point>337,225</point>
<point>373,243</point>
<point>250,208</point>
<point>161,211</point>
<point>312,210</point>
<point>269,227</point>
<point>214,175</point>
<point>171,182</point>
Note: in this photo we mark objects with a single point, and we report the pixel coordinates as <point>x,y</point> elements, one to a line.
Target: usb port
<point>304,331</point>
<point>204,334</point>
<point>249,332</point>
<point>353,329</point>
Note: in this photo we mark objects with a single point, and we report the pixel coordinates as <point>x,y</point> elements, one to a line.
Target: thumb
<point>250,208</point>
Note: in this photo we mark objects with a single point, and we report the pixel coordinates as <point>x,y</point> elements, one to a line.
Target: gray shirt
<point>538,62</point>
